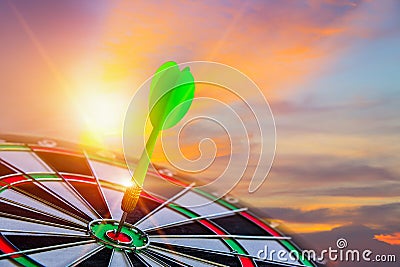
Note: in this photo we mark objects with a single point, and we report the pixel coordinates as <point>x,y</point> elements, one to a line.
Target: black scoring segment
<point>143,207</point>
<point>135,260</point>
<point>192,228</point>
<point>24,242</point>
<point>238,225</point>
<point>92,194</point>
<point>66,163</point>
<point>99,259</point>
<point>9,210</point>
<point>31,189</point>
<point>161,186</point>
<point>4,170</point>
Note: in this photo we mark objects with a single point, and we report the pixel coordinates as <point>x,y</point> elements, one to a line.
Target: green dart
<point>171,94</point>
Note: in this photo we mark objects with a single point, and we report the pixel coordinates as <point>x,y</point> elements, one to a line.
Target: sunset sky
<point>329,70</point>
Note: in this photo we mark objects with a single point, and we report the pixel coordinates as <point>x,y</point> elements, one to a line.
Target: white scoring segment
<point>64,256</point>
<point>119,259</point>
<point>111,173</point>
<point>161,217</point>
<point>114,174</point>
<point>17,225</point>
<point>195,203</point>
<point>18,197</point>
<point>7,263</point>
<point>114,199</point>
<point>26,161</point>
<point>269,248</point>
<point>64,191</point>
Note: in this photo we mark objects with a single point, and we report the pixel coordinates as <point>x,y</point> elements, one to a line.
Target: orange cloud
<point>309,227</point>
<point>392,239</point>
<point>252,37</point>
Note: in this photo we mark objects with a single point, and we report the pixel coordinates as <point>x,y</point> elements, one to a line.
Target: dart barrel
<point>130,198</point>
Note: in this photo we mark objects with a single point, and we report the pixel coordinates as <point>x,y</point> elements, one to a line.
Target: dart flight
<point>171,95</point>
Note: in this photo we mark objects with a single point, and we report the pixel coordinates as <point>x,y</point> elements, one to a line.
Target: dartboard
<point>57,201</point>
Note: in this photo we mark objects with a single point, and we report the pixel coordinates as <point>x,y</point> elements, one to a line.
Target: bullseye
<point>130,238</point>
<point>121,238</point>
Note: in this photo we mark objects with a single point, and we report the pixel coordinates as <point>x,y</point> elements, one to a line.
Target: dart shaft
<point>121,223</point>
<point>143,164</point>
<point>132,193</point>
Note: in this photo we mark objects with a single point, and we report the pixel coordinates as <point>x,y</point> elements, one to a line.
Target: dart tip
<point>121,223</point>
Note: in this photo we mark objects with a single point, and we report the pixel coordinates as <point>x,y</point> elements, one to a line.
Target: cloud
<point>325,175</point>
<point>358,237</point>
<point>372,113</point>
<point>333,173</point>
<point>366,215</point>
<point>392,239</point>
<point>269,40</point>
<point>385,190</point>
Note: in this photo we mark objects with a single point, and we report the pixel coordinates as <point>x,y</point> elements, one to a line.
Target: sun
<point>102,115</point>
